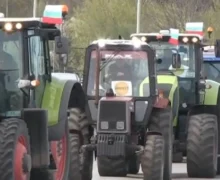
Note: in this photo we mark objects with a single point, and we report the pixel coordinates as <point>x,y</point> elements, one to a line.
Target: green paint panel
<point>164,80</point>
<point>211,95</point>
<point>52,98</point>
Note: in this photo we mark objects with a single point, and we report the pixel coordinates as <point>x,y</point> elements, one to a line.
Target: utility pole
<point>35,8</point>
<point>138,16</point>
<point>6,8</point>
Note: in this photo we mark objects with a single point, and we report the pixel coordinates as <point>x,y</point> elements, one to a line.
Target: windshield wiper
<point>109,60</point>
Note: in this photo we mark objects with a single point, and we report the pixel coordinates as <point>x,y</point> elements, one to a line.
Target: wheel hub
<point>26,163</point>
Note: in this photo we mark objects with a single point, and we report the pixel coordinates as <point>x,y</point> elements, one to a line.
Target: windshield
<point>212,70</point>
<point>165,50</point>
<point>123,71</point>
<point>11,69</point>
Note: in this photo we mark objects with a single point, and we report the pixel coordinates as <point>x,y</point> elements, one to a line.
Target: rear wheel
<point>14,150</point>
<point>152,159</point>
<point>81,162</point>
<point>61,155</point>
<point>202,146</point>
<point>161,121</point>
<point>112,167</point>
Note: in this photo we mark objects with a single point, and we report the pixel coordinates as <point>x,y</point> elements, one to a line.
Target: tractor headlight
<point>8,27</point>
<point>104,125</point>
<point>120,125</point>
<point>18,26</point>
<point>144,39</point>
<point>185,39</point>
<point>195,40</point>
<point>101,43</point>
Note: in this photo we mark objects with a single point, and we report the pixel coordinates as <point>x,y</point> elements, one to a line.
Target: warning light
<point>210,30</point>
<point>35,83</point>
<point>65,10</point>
<point>159,36</point>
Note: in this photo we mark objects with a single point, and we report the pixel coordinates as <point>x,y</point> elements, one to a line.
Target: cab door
<point>37,57</point>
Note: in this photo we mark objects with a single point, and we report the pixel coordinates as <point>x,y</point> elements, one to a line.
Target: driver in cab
<point>119,70</point>
<point>6,60</point>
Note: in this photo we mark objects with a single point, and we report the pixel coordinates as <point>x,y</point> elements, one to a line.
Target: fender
<point>169,85</point>
<point>56,100</point>
<point>211,95</point>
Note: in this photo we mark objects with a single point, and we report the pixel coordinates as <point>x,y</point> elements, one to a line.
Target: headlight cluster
<point>11,26</point>
<point>160,37</point>
<point>120,125</point>
<point>192,39</point>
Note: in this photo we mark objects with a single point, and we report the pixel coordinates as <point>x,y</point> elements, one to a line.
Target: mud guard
<point>57,131</point>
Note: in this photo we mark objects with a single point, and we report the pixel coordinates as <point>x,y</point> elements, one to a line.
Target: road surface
<point>179,173</point>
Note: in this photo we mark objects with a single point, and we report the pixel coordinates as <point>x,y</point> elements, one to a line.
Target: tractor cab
<point>24,59</point>
<point>122,100</point>
<point>182,59</point>
<point>116,68</point>
<point>211,62</point>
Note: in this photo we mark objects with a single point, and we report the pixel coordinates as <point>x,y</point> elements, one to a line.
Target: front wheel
<point>161,121</point>
<point>134,164</point>
<point>61,155</point>
<point>15,156</point>
<point>152,159</point>
<point>202,146</point>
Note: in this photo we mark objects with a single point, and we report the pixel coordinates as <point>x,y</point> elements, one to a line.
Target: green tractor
<point>129,127</point>
<point>34,103</point>
<point>193,100</point>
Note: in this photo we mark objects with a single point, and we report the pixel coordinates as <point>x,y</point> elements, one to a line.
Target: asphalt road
<point>179,173</point>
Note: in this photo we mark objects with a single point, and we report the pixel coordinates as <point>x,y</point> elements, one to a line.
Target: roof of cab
<point>27,22</point>
<point>19,19</point>
<point>156,34</point>
<point>117,42</point>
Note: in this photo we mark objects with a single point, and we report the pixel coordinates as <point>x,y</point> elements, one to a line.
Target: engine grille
<point>112,112</point>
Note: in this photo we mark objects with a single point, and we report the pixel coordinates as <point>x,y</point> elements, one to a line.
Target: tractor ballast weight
<point>196,104</point>
<point>34,110</point>
<point>126,114</point>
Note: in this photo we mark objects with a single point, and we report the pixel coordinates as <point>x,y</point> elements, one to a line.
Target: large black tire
<point>81,163</point>
<point>117,167</point>
<point>202,146</point>
<point>12,132</point>
<point>134,164</point>
<point>152,160</point>
<point>162,121</point>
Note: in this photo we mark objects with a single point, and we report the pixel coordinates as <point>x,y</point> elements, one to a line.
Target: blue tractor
<point>211,61</point>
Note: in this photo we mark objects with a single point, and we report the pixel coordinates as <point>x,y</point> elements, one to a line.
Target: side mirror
<point>61,45</point>
<point>176,61</point>
<point>217,48</point>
